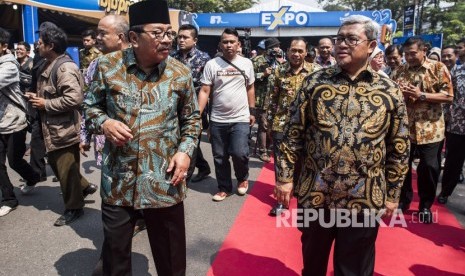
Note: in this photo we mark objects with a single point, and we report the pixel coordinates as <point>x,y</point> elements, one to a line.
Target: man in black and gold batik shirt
<point>349,126</point>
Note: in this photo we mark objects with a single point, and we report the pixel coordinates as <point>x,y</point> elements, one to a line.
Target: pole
<point>30,24</point>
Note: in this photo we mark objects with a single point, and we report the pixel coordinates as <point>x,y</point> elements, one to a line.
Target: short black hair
<point>415,40</point>
<point>26,45</point>
<point>450,46</point>
<point>4,36</point>
<point>231,31</point>
<point>325,37</point>
<point>392,48</point>
<point>299,38</point>
<point>462,40</point>
<point>89,32</point>
<point>55,36</point>
<point>189,27</point>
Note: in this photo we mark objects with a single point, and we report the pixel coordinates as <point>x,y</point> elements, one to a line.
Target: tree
<point>452,23</point>
<point>432,17</point>
<point>396,6</point>
<point>201,6</point>
<point>335,7</point>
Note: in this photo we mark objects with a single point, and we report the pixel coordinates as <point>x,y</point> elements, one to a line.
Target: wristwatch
<point>422,96</point>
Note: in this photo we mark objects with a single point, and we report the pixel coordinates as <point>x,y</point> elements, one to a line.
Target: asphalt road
<point>31,245</point>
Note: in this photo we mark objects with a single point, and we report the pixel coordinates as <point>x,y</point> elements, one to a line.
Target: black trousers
<point>167,237</point>
<point>37,144</point>
<point>14,146</point>
<point>455,158</point>
<point>354,249</point>
<point>428,171</point>
<point>198,161</point>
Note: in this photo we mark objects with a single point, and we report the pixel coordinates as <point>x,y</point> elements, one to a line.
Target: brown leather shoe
<point>243,187</point>
<point>220,196</point>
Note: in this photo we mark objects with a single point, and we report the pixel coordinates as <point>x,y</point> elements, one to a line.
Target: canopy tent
<point>88,10</point>
<point>273,5</point>
<point>78,15</point>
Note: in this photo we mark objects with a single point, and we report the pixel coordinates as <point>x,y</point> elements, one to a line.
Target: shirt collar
<point>129,59</point>
<point>425,64</point>
<point>368,74</point>
<point>305,69</point>
<point>191,53</point>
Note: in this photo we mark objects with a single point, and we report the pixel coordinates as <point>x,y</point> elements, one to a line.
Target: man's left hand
<point>283,192</point>
<point>37,102</point>
<point>412,91</point>
<point>252,120</point>
<point>179,164</point>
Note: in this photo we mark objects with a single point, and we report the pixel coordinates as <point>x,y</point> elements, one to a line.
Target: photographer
<point>264,67</point>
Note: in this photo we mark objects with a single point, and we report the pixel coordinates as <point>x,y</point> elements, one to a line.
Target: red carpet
<point>255,246</point>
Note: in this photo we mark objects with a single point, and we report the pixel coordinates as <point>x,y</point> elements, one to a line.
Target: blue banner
<point>434,39</point>
<point>284,18</point>
<point>71,4</point>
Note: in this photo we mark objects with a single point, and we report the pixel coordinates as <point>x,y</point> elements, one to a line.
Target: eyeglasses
<point>351,41</point>
<point>159,35</point>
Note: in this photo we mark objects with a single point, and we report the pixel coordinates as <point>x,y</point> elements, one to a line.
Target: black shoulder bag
<point>241,71</point>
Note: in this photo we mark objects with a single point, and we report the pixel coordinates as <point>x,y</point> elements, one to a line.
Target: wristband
<point>252,111</point>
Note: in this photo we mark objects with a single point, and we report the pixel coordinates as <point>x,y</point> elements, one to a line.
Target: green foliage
<point>396,6</point>
<point>449,21</point>
<point>453,23</point>
<point>204,6</point>
<point>335,7</point>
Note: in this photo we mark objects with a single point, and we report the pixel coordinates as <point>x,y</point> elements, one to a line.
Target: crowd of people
<point>344,121</point>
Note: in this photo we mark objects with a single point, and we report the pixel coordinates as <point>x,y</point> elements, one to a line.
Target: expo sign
<point>283,18</point>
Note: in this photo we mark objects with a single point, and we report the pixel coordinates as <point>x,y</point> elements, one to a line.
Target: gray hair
<point>370,26</point>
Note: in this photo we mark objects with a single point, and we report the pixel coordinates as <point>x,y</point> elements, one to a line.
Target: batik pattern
<point>426,119</point>
<point>457,108</point>
<point>196,61</point>
<point>353,136</point>
<point>162,112</point>
<point>284,93</point>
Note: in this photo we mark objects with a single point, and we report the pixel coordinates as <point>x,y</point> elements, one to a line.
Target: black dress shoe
<point>92,188</point>
<point>425,216</point>
<point>277,209</point>
<point>200,176</point>
<point>442,199</point>
<point>68,217</point>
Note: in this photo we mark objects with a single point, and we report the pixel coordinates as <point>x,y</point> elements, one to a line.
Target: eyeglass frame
<point>159,35</point>
<point>338,40</point>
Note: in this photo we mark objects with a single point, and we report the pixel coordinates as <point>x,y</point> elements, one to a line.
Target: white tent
<point>274,5</point>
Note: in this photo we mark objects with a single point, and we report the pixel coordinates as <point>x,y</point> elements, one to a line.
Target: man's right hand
<point>267,72</point>
<point>283,192</point>
<point>116,132</point>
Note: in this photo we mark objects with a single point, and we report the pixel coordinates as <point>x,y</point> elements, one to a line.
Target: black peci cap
<point>149,11</point>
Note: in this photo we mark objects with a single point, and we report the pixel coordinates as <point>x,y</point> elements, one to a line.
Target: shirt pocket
<point>62,128</point>
<point>50,92</point>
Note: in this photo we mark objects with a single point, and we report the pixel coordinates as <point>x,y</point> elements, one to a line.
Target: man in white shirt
<point>229,79</point>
